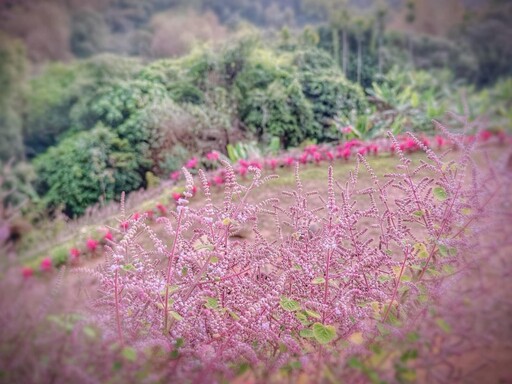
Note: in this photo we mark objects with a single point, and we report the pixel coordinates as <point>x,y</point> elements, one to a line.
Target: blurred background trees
<point>142,86</point>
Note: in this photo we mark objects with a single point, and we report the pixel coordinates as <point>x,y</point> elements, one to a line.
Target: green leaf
<point>302,318</point>
<point>440,193</point>
<point>214,260</point>
<point>441,323</point>
<point>129,353</point>
<point>233,315</point>
<point>128,267</point>
<point>176,315</point>
<point>289,304</point>
<point>312,313</point>
<point>421,250</point>
<point>211,303</point>
<point>180,342</point>
<point>90,332</point>
<point>318,280</point>
<point>324,333</point>
<point>307,333</point>
<point>418,213</point>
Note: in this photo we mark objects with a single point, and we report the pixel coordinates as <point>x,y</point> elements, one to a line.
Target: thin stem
<point>168,276</point>
<point>118,312</point>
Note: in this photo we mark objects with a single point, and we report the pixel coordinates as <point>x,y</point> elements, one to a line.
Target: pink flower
<point>176,196</point>
<point>91,245</point>
<point>161,208</point>
<point>485,135</point>
<point>362,151</point>
<point>124,225</point>
<point>27,272</point>
<point>311,149</point>
<point>136,216</point>
<point>175,175</point>
<point>46,264</point>
<point>329,155</point>
<point>218,180</point>
<point>317,157</point>
<point>303,159</point>
<point>192,163</point>
<point>212,156</point>
<point>256,163</point>
<point>74,253</point>
<point>242,171</point>
<point>440,141</point>
<point>150,213</point>
<point>108,236</point>
<point>194,190</point>
<point>273,164</point>
<point>345,153</point>
<point>289,161</point>
<point>346,130</point>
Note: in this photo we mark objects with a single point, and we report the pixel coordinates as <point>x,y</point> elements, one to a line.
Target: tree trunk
<point>335,45</point>
<point>345,49</point>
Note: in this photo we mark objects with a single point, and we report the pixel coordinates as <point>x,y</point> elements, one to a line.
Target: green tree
<point>13,67</point>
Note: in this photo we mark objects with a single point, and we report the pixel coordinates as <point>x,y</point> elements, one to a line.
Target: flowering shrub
<point>333,277</point>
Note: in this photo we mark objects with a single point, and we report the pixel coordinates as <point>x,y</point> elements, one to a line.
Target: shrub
<point>362,263</point>
<point>86,167</point>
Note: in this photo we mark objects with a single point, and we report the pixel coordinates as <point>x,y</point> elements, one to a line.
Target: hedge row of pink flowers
<point>328,153</point>
<point>311,154</point>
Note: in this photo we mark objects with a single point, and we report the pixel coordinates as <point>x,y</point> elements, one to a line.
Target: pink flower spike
<point>46,264</point>
<point>27,272</point>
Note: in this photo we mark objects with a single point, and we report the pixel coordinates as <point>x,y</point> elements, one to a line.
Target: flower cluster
<point>341,268</point>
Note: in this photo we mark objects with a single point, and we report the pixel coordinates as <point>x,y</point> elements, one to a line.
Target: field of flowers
<point>380,261</point>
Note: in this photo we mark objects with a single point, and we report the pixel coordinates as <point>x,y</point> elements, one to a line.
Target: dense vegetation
<point>135,115</point>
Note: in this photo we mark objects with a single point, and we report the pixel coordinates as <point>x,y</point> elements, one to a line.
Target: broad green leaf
<point>306,333</point>
<point>289,304</point>
<point>129,353</point>
<point>324,334</point>
<point>440,193</point>
<point>318,280</point>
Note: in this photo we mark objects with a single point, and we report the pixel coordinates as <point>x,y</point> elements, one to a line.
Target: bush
<point>361,265</point>
<point>85,168</point>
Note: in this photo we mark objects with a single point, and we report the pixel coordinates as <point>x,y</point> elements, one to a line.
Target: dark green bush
<point>86,167</point>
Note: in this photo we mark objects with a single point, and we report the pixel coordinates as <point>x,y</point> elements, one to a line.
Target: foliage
<point>85,168</point>
<point>13,68</point>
